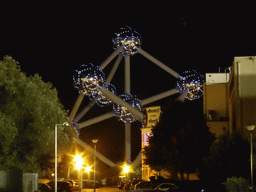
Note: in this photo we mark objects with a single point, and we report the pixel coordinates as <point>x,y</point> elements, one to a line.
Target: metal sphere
<point>129,39</point>
<point>103,100</point>
<point>192,82</point>
<point>89,79</point>
<point>122,113</point>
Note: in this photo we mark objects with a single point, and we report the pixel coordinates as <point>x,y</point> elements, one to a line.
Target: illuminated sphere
<point>192,82</point>
<point>129,39</point>
<point>103,100</point>
<point>89,79</point>
<point>122,112</point>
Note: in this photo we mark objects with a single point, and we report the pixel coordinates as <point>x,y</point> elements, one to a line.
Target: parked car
<point>167,187</point>
<point>62,186</point>
<point>43,187</point>
<point>146,185</point>
<point>163,187</point>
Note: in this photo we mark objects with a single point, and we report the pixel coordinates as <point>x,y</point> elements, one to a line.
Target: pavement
<point>101,189</point>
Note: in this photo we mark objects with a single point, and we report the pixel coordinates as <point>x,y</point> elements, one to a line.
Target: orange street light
<point>79,161</point>
<point>79,165</point>
<point>126,169</point>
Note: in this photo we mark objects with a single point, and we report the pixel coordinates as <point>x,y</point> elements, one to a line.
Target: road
<point>101,189</point>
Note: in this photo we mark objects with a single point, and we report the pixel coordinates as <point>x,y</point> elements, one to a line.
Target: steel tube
<point>119,101</point>
<point>95,120</point>
<point>127,74</point>
<point>85,110</point>
<point>75,108</point>
<point>128,142</point>
<point>159,63</point>
<point>110,58</point>
<point>159,96</point>
<point>98,155</point>
<point>113,71</point>
<point>183,95</point>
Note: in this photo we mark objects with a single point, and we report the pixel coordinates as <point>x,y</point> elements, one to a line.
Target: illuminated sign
<point>152,116</point>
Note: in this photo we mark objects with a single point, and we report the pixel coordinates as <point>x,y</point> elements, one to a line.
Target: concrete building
<point>242,94</point>
<point>230,98</point>
<point>216,102</point>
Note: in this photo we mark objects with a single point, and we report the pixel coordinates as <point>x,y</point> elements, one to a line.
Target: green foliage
<point>29,109</point>
<point>180,141</point>
<point>229,156</point>
<point>235,184</point>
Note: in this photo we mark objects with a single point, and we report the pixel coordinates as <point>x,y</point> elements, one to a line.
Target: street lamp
<point>56,152</point>
<point>88,169</point>
<point>126,170</point>
<point>94,141</point>
<point>79,166</point>
<point>250,129</point>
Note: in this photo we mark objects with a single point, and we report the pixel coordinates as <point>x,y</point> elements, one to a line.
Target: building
<point>230,98</point>
<point>216,102</point>
<point>242,94</point>
<point>151,118</point>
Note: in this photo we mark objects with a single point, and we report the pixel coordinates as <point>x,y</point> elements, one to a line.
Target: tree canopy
<point>29,110</point>
<point>229,157</point>
<point>180,141</point>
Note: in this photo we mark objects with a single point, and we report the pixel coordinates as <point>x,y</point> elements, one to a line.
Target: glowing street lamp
<point>79,161</point>
<point>79,165</point>
<point>126,169</point>
<point>88,169</point>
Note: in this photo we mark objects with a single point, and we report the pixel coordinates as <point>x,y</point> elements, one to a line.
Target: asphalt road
<point>101,189</point>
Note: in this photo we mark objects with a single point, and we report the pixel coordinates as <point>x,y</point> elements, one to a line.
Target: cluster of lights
<point>129,39</point>
<point>192,83</point>
<point>89,80</point>
<point>103,100</point>
<point>122,113</point>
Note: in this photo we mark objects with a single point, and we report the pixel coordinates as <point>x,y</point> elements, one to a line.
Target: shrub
<point>235,184</point>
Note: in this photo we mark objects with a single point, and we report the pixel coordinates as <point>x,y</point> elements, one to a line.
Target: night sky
<point>53,40</point>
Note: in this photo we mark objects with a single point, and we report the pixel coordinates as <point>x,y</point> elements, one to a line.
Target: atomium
<point>122,113</point>
<point>129,39</point>
<point>89,79</point>
<point>192,83</point>
<point>103,100</point>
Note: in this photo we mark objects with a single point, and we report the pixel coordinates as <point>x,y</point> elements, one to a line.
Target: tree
<point>180,141</point>
<point>229,157</point>
<point>29,109</point>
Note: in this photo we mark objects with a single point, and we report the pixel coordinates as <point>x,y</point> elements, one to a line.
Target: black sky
<point>55,39</point>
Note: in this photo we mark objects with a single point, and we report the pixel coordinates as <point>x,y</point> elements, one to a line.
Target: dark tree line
<point>182,143</point>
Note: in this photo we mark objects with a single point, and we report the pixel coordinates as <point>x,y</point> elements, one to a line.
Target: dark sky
<point>55,39</point>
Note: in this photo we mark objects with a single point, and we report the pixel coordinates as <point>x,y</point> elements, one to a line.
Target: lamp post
<point>56,152</point>
<point>126,171</point>
<point>79,166</point>
<point>250,129</point>
<point>88,169</point>
<point>94,141</point>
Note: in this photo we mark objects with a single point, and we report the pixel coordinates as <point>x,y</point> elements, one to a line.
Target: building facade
<point>151,118</point>
<point>216,102</point>
<point>242,94</point>
<point>230,98</point>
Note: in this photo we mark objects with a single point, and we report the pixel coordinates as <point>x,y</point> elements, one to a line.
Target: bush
<point>235,184</point>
